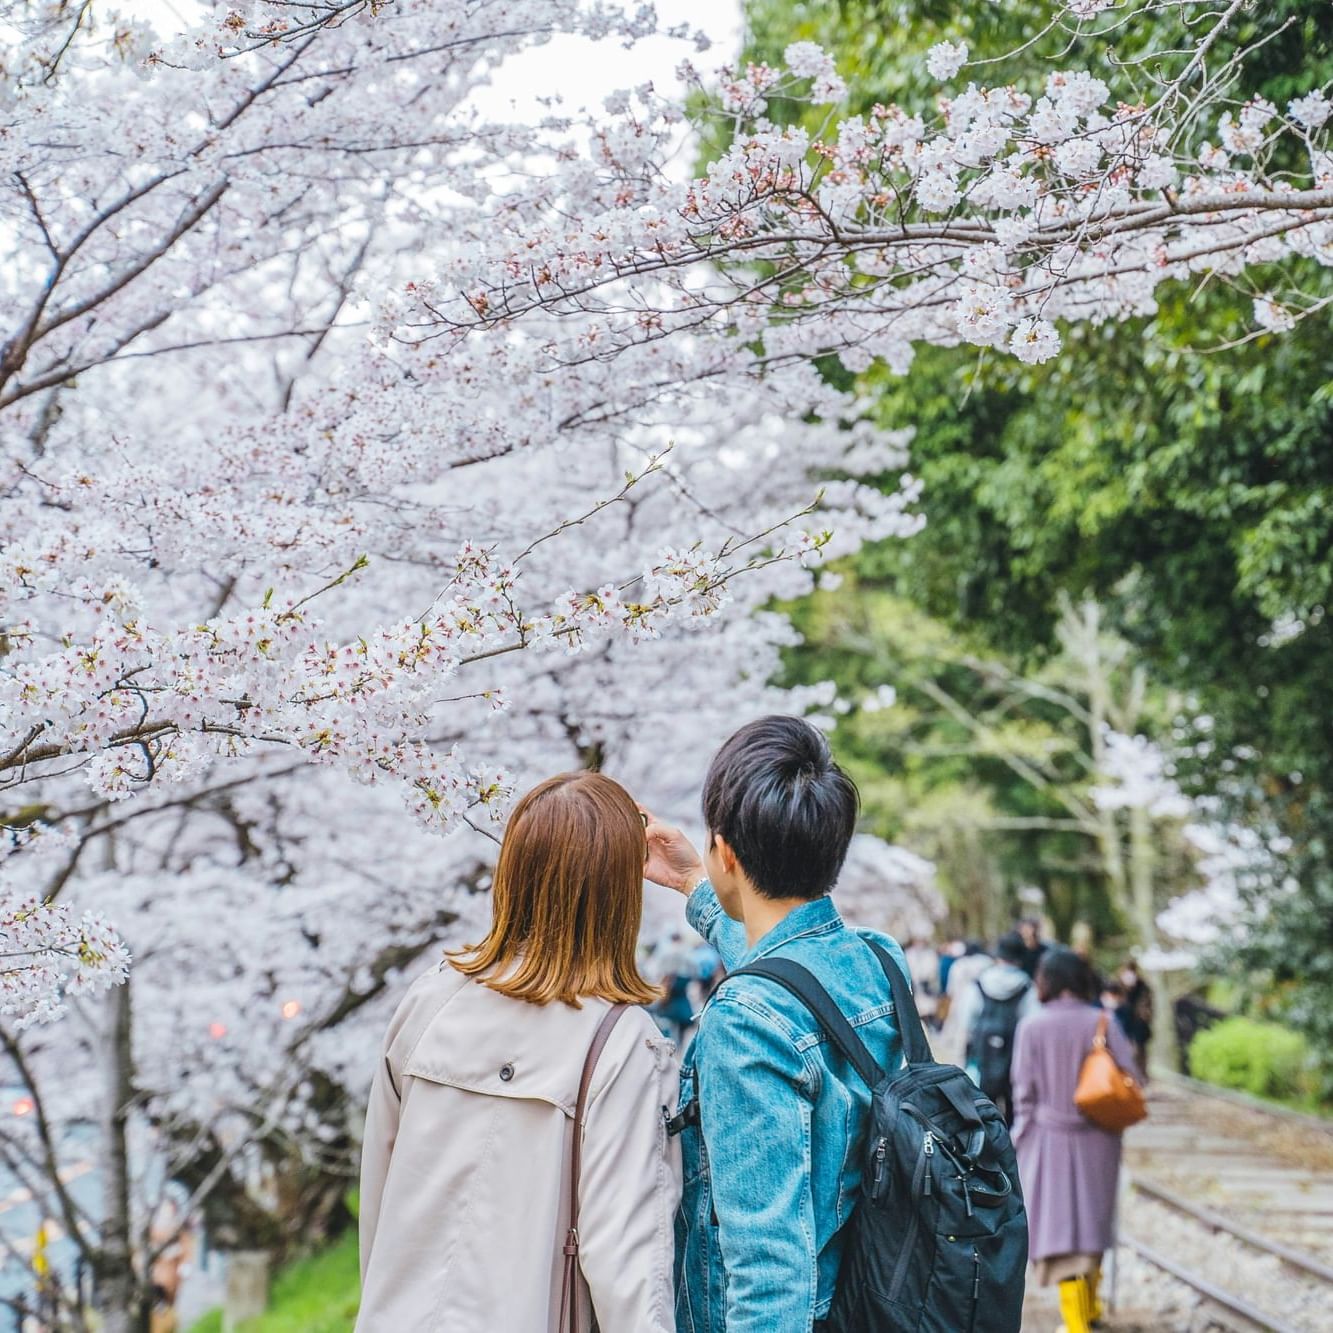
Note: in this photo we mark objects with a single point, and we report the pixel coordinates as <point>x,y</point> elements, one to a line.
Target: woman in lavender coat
<point>1069,1167</point>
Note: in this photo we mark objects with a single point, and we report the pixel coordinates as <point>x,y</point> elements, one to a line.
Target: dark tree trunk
<point>121,1292</point>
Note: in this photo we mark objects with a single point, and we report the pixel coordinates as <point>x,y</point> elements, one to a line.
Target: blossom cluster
<point>262,579</point>
<point>1015,209</point>
<point>1139,774</point>
<point>48,953</point>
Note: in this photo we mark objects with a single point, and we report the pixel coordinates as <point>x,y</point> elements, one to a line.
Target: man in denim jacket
<point>771,1118</point>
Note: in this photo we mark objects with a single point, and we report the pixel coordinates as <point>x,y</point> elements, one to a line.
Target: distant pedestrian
<point>1192,1014</point>
<point>709,971</point>
<point>1138,996</point>
<point>46,1277</point>
<point>924,964</point>
<point>1115,1000</point>
<point>675,1010</point>
<point>1069,1167</point>
<point>951,1043</point>
<point>1081,940</point>
<point>953,950</point>
<point>1033,944</point>
<point>170,1242</point>
<point>991,1010</point>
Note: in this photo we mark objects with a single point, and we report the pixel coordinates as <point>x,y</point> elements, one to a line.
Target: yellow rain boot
<point>1096,1311</point>
<point>1075,1304</point>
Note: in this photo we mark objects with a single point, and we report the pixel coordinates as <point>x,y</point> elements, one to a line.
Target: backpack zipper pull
<point>881,1149</point>
<point>928,1147</point>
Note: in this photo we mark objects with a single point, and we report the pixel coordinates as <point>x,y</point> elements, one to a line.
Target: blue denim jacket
<point>773,1176</point>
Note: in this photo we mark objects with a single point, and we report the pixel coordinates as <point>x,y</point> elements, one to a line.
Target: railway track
<point>1234,1201</point>
<point>1214,1305</point>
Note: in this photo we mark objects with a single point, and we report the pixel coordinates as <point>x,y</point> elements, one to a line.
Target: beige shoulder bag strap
<point>569,1303</point>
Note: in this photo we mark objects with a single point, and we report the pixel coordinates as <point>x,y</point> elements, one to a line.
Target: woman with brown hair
<point>466,1164</point>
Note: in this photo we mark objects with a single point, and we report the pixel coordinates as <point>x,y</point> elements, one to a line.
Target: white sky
<point>582,72</point>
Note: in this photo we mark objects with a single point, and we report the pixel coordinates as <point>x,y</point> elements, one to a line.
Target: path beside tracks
<point>1226,1219</point>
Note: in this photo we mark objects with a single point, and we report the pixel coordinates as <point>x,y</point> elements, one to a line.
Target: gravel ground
<point>1274,1176</point>
<point>1151,1301</point>
<point>1234,1267</point>
<point>1296,1143</point>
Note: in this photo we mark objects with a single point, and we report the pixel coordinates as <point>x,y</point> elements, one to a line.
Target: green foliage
<point>981,765</point>
<point>1285,957</point>
<point>317,1294</point>
<point>1177,469</point>
<point>1264,1059</point>
<point>1161,465</point>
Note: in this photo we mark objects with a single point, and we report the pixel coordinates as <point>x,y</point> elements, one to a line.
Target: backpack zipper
<point>925,1173</point>
<point>920,1186</point>
<point>976,1286</point>
<point>877,1182</point>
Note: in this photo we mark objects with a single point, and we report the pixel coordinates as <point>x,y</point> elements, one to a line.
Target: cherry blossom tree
<point>266,585</point>
<point>889,888</point>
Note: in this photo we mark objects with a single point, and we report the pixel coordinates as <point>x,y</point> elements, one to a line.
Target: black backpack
<point>938,1242</point>
<point>991,1045</point>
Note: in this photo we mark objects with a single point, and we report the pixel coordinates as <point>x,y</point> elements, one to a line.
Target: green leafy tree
<point>1179,471</point>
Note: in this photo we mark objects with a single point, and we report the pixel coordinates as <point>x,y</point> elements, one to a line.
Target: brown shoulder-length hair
<point>567,898</point>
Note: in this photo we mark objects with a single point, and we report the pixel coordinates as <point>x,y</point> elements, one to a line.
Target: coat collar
<point>817,917</point>
<point>482,1041</point>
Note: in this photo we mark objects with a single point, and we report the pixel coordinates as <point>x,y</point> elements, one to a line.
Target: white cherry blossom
<point>945,59</point>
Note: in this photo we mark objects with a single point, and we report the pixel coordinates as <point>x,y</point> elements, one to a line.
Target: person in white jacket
<point>989,1013</point>
<point>951,1041</point>
<point>465,1163</point>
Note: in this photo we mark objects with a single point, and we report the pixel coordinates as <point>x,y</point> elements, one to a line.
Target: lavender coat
<point>1068,1166</point>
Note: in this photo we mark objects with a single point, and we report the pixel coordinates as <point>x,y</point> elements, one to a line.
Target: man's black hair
<point>774,793</point>
<point>1011,949</point>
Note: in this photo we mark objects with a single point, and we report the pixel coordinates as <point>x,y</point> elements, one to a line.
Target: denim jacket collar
<point>810,918</point>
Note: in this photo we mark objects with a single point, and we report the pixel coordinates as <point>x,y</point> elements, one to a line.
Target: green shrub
<point>1265,1059</point>
<point>316,1294</point>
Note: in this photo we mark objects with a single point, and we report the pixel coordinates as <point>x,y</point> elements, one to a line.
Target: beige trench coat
<point>465,1167</point>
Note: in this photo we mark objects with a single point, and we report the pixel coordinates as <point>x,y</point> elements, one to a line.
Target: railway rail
<point>1217,1304</point>
<point>1233,1199</point>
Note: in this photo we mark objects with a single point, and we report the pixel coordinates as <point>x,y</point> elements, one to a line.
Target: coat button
<point>506,1072</point>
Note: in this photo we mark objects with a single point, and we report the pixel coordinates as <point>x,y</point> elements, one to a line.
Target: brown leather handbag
<point>570,1321</point>
<point>1106,1095</point>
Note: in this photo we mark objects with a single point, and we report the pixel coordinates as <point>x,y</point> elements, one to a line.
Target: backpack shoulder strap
<point>915,1046</point>
<point>805,986</point>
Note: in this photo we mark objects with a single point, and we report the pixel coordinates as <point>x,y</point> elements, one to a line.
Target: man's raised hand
<point>672,860</point>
